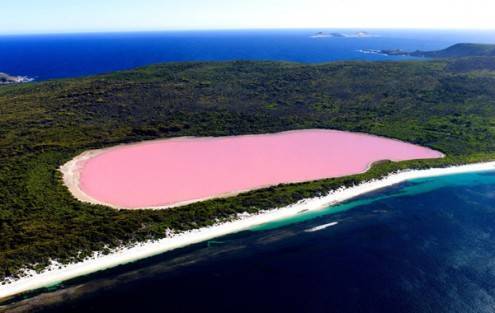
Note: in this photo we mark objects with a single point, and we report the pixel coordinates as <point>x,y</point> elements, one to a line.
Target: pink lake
<point>171,172</point>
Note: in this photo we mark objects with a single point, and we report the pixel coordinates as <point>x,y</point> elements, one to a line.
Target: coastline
<point>126,255</point>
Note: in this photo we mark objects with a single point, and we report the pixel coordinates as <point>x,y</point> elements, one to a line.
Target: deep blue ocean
<point>424,246</point>
<point>71,55</point>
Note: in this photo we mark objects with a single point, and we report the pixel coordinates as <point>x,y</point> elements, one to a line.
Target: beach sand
<point>244,222</point>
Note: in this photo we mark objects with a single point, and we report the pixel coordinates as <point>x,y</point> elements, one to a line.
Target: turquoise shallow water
<point>410,188</point>
<point>426,245</point>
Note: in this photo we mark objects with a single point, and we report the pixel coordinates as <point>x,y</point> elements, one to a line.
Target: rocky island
<point>360,34</point>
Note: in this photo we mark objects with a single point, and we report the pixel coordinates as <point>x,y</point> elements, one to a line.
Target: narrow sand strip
<point>148,249</point>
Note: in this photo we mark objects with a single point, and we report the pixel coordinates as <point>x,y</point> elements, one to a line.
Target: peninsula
<point>456,51</point>
<point>8,79</point>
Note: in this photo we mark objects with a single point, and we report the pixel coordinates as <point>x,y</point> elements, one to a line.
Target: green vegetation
<point>459,50</point>
<point>448,105</point>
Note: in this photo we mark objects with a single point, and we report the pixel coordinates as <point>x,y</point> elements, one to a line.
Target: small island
<point>360,34</point>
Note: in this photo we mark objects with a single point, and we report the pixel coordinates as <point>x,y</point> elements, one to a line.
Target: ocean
<point>73,55</point>
<point>426,245</point>
<point>422,246</point>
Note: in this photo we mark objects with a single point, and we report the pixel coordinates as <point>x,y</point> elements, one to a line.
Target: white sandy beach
<point>244,222</point>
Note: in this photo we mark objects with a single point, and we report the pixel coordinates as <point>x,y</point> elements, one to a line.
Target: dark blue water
<point>424,246</point>
<point>55,56</point>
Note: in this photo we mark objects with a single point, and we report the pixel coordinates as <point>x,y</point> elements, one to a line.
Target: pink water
<point>167,172</point>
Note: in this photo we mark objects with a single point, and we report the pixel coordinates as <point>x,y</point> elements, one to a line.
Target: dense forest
<point>448,105</point>
<point>459,50</point>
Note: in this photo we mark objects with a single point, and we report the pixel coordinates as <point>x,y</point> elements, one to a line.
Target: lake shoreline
<point>73,177</point>
<point>124,255</point>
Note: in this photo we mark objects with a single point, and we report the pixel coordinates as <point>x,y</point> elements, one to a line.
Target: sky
<point>61,16</point>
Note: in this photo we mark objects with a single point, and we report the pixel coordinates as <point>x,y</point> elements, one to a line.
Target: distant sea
<point>73,55</point>
<point>427,245</point>
<point>423,246</point>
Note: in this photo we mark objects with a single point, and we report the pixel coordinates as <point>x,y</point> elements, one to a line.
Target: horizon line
<point>170,30</point>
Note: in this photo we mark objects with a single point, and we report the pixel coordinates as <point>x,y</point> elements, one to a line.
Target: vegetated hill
<point>456,51</point>
<point>459,50</point>
<point>472,64</point>
<point>43,125</point>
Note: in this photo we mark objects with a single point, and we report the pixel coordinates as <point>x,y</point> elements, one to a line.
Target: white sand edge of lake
<point>71,171</point>
<point>57,274</point>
